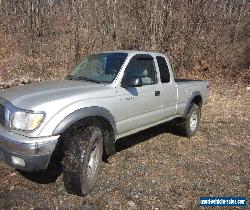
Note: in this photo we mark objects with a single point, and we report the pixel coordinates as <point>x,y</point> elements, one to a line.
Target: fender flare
<point>193,95</point>
<point>93,111</point>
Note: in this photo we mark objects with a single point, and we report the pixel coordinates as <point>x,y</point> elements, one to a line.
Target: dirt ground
<point>157,168</point>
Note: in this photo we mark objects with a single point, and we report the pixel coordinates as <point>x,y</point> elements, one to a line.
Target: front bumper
<point>25,153</point>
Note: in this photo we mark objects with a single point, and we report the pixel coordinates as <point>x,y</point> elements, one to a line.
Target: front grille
<point>2,115</point>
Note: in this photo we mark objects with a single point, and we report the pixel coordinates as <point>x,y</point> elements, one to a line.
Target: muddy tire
<point>82,160</point>
<point>191,122</point>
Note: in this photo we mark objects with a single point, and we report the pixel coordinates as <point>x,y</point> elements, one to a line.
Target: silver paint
<point>133,109</point>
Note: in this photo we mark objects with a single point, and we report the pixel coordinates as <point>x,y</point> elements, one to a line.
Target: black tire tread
<point>73,163</point>
<point>184,123</point>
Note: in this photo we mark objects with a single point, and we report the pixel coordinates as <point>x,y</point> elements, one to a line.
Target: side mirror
<point>132,82</point>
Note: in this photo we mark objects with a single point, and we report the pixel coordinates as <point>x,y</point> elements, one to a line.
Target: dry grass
<point>157,169</point>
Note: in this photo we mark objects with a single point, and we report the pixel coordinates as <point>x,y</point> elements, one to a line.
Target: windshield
<point>100,68</point>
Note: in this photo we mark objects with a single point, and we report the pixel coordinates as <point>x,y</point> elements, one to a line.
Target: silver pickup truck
<point>106,97</point>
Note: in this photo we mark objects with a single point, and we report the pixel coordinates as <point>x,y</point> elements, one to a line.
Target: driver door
<point>139,106</point>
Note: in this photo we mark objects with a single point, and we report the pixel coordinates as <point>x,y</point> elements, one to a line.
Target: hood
<point>35,94</point>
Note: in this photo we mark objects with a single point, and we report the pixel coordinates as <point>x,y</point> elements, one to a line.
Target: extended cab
<point>107,96</point>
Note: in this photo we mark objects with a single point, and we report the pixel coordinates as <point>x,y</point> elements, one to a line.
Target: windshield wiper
<point>69,77</point>
<point>87,79</point>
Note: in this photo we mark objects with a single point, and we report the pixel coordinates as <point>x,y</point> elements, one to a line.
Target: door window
<point>141,66</point>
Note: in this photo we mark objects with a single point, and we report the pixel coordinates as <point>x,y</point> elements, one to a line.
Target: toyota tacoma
<point>106,97</point>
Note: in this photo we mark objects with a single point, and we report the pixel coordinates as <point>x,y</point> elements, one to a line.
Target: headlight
<point>25,120</point>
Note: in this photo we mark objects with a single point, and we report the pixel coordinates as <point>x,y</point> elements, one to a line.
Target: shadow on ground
<point>54,170</point>
<point>47,176</point>
<point>129,141</point>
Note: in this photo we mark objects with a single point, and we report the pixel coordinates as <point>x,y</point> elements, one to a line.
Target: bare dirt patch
<point>157,169</point>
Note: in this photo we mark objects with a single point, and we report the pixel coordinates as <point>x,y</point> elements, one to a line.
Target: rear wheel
<point>191,122</point>
<point>82,161</point>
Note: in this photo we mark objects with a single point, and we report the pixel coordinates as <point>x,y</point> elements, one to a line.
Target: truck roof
<point>135,52</point>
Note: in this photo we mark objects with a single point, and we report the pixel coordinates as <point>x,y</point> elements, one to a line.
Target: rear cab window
<point>164,70</point>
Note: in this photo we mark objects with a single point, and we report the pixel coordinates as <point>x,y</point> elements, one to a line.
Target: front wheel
<point>191,122</point>
<point>82,161</point>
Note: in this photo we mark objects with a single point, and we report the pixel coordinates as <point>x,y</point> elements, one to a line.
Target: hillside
<point>204,39</point>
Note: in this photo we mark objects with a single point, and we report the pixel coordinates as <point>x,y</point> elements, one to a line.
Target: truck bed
<point>186,88</point>
<point>186,80</point>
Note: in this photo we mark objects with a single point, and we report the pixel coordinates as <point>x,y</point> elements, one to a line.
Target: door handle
<point>157,93</point>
